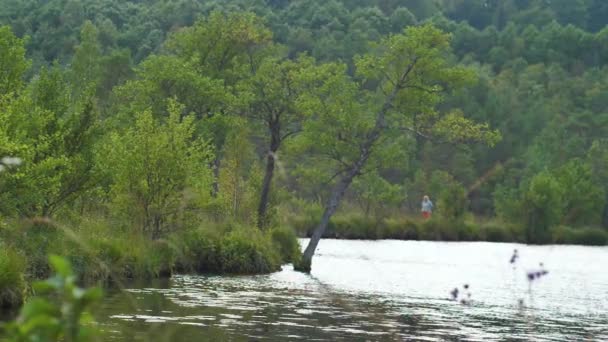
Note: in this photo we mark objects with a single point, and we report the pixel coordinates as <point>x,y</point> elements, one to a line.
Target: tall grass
<point>236,249</point>
<point>359,226</point>
<point>101,253</point>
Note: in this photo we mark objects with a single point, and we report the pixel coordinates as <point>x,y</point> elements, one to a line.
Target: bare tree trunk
<point>330,208</point>
<point>275,142</point>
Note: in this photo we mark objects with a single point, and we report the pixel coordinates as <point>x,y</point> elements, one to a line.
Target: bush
<point>286,242</point>
<point>196,250</point>
<point>542,207</point>
<point>247,251</point>
<point>452,202</point>
<point>230,250</point>
<point>12,282</point>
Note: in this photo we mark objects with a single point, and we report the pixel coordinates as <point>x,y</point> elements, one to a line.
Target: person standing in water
<point>427,207</point>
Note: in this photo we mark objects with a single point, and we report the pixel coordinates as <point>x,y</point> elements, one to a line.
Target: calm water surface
<point>380,291</point>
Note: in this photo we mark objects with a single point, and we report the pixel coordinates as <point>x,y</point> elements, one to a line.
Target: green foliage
<point>233,249</point>
<point>507,203</point>
<point>285,240</point>
<point>543,205</point>
<point>375,194</point>
<point>153,166</point>
<point>247,251</point>
<point>219,43</point>
<point>54,137</point>
<point>452,203</point>
<point>584,200</point>
<point>86,67</point>
<point>580,236</point>
<point>65,317</point>
<point>13,63</point>
<point>36,240</point>
<point>12,282</point>
<point>239,179</point>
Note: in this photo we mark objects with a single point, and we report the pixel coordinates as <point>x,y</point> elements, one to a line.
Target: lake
<point>380,291</point>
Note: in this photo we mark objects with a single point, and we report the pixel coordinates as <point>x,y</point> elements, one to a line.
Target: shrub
<point>228,250</point>
<point>247,251</point>
<point>286,242</point>
<point>195,250</point>
<point>452,202</point>
<point>542,207</point>
<point>161,257</point>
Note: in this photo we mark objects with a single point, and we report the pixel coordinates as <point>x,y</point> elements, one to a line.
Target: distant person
<point>427,207</point>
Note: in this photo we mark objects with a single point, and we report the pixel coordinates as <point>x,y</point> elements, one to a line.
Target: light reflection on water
<point>380,291</point>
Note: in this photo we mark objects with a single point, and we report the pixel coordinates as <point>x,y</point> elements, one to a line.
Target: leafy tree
<point>54,137</point>
<point>271,97</point>
<point>153,166</point>
<point>409,72</point>
<point>375,194</point>
<point>583,199</point>
<point>219,47</point>
<point>543,205</point>
<point>13,63</point>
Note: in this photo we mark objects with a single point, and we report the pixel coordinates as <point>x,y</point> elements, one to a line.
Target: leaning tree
<point>354,122</point>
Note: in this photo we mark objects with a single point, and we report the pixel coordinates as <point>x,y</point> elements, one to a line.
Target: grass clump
<point>286,241</point>
<point>234,249</point>
<point>247,252</point>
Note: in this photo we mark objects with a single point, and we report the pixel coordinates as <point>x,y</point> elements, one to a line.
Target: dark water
<point>380,291</point>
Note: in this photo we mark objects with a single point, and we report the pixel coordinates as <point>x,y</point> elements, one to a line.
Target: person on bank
<point>427,207</point>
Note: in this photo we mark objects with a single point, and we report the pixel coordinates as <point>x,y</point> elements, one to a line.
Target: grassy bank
<point>102,255</point>
<point>356,226</point>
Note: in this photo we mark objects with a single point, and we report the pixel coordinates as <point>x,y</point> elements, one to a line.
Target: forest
<point>142,138</point>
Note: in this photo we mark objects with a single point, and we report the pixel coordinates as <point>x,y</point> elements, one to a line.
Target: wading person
<point>427,207</point>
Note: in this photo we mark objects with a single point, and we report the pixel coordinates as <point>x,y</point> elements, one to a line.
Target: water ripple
<point>353,296</point>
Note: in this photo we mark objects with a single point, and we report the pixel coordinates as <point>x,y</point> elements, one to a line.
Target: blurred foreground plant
<point>64,316</point>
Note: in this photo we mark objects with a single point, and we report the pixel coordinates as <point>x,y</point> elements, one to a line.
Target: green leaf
<point>61,266</point>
